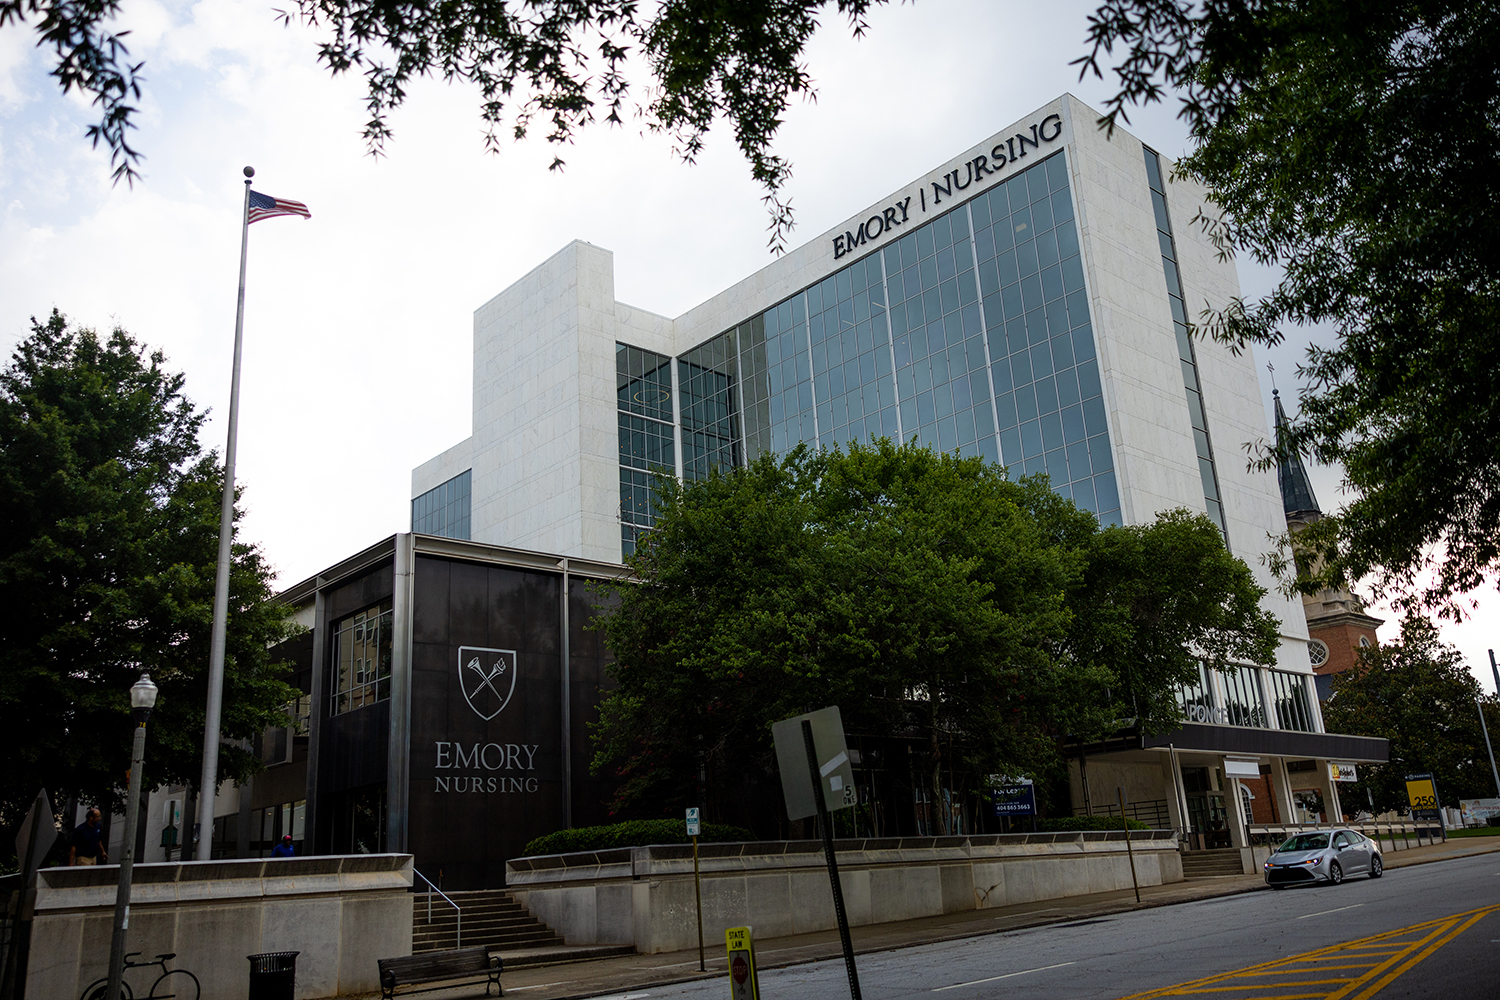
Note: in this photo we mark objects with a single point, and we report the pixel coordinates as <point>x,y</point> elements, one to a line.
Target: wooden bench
<point>436,966</point>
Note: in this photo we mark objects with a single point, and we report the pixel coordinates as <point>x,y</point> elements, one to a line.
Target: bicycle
<point>182,984</point>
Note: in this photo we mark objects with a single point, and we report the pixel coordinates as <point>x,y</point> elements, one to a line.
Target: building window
<point>1317,652</point>
<point>643,389</point>
<point>362,659</point>
<point>1364,642</point>
<point>971,333</point>
<point>1175,295</point>
<point>357,820</point>
<point>1289,693</point>
<point>444,510</point>
<point>1243,705</point>
<point>1198,704</point>
<point>708,394</point>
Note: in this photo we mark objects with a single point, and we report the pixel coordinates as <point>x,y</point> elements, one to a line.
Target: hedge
<point>1067,824</point>
<point>634,833</point>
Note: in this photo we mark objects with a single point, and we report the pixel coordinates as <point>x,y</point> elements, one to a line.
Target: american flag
<point>263,206</point>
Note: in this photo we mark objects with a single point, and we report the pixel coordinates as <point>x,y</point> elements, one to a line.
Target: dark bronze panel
<point>372,588</point>
<point>482,787</point>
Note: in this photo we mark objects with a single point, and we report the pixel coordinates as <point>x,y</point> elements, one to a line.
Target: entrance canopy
<point>1273,743</point>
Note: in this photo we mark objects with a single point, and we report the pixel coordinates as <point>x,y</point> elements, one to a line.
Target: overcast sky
<point>358,323</point>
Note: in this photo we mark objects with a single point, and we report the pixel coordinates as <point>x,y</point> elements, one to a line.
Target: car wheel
<point>1377,867</point>
<point>1335,873</point>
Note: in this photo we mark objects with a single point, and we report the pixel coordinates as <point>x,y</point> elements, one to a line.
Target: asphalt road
<point>1427,943</point>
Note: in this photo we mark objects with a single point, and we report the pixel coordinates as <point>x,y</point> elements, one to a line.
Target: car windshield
<point>1305,842</point>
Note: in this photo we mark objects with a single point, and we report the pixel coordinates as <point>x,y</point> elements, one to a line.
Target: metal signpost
<point>743,982</point>
<point>693,826</point>
<point>821,735</point>
<point>1125,822</point>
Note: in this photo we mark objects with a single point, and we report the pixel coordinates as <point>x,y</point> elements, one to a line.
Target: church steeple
<point>1297,498</point>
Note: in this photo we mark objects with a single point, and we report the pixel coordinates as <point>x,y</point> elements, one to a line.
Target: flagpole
<point>208,785</point>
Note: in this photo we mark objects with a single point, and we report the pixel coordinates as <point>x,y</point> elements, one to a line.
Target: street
<point>1429,942</point>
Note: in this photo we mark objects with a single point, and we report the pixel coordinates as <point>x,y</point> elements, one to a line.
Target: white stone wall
<point>438,470</point>
<point>1236,417</point>
<point>544,449</point>
<point>1156,466</point>
<point>648,901</point>
<point>342,913</point>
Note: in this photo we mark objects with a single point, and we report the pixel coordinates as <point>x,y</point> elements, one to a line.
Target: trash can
<point>273,976</point>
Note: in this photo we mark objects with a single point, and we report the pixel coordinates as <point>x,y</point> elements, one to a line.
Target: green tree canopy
<point>925,595</point>
<point>1156,600</point>
<point>1355,144</point>
<point>1417,693</point>
<point>111,514</point>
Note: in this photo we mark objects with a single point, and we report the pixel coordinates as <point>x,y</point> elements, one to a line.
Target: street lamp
<point>142,700</point>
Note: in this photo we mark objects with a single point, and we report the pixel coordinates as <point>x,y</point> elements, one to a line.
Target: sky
<point>358,323</point>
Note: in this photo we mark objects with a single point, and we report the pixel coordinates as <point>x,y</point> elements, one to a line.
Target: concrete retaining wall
<point>643,896</point>
<point>341,913</point>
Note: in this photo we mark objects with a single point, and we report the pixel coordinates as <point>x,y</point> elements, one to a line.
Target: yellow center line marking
<point>1321,968</point>
<point>1407,966</point>
<point>1392,954</point>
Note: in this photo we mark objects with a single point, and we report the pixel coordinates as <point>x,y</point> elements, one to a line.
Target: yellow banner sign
<point>1421,794</point>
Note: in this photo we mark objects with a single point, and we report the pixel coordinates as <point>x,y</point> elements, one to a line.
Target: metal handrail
<point>458,920</point>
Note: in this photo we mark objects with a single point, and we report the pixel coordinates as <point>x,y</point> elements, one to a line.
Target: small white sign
<point>693,824</point>
<point>1234,768</point>
<point>1341,772</point>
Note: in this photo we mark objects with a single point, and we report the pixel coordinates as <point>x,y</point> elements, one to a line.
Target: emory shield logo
<point>487,678</point>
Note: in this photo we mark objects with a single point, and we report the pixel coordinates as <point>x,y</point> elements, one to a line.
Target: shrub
<point>634,833</point>
<point>1067,824</point>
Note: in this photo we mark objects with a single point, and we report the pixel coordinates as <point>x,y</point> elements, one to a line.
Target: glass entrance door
<point>1206,810</point>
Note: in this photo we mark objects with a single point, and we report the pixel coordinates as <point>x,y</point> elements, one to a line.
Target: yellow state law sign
<point>743,983</point>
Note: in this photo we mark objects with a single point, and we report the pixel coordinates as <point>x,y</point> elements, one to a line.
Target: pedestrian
<point>285,848</point>
<point>88,844</point>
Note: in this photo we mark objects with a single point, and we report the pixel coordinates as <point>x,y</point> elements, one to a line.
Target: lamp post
<point>142,700</point>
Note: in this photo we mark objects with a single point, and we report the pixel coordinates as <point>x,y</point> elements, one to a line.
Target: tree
<point>1156,601</point>
<point>107,569</point>
<point>925,595</point>
<point>1355,145</point>
<point>1417,693</point>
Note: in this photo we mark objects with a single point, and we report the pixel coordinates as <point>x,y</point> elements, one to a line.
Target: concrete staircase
<point>1211,864</point>
<point>492,918</point>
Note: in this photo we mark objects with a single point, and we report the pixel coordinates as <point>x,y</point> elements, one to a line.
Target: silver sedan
<point>1323,856</point>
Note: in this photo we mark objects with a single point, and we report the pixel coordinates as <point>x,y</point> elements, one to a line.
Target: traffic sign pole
<point>692,827</point>
<point>833,866</point>
<point>1120,791</point>
<point>698,896</point>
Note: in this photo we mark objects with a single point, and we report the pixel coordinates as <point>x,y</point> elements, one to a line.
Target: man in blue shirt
<point>87,846</point>
<point>284,849</point>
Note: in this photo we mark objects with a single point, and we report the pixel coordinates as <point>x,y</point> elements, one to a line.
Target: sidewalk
<point>627,973</point>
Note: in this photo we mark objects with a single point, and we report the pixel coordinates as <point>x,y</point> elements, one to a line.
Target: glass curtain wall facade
<point>971,334</point>
<point>1185,354</point>
<point>444,509</point>
<point>643,390</point>
<point>708,396</point>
